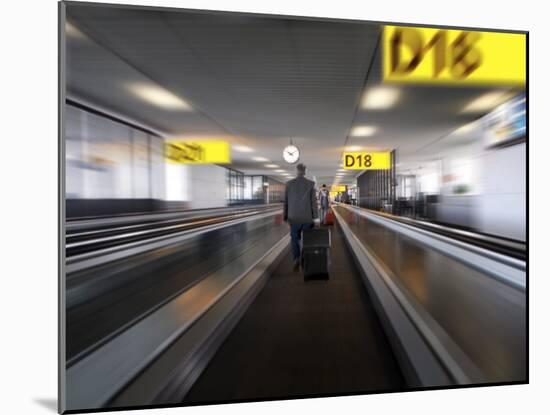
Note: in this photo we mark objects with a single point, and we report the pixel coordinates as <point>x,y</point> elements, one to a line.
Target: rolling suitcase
<point>329,217</point>
<point>316,253</point>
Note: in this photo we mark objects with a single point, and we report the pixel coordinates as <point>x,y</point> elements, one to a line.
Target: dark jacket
<point>300,201</point>
<point>324,200</point>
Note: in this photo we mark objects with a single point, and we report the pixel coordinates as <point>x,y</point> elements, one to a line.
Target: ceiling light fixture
<point>157,95</point>
<point>271,166</point>
<point>353,148</point>
<point>486,102</point>
<point>259,159</point>
<point>363,131</point>
<point>380,98</point>
<point>243,149</point>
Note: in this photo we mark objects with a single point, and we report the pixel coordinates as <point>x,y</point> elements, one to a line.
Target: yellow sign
<point>337,188</point>
<point>197,152</point>
<point>367,161</point>
<point>422,55</point>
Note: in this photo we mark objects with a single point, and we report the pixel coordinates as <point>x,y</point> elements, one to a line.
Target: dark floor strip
<point>303,338</point>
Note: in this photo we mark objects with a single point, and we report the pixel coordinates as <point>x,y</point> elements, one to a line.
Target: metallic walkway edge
<point>74,226</point>
<point>103,256</point>
<point>474,237</point>
<point>89,241</point>
<point>115,365</point>
<point>173,374</point>
<point>506,269</point>
<point>427,355</point>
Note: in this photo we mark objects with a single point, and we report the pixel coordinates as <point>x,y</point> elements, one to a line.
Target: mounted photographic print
<point>260,207</point>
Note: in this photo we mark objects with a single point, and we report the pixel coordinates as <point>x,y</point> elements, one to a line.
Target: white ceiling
<point>254,81</point>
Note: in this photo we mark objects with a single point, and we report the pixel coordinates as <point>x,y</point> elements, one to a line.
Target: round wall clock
<point>291,154</point>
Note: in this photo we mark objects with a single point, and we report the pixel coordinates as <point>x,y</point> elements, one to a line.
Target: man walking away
<point>324,201</point>
<point>300,209</point>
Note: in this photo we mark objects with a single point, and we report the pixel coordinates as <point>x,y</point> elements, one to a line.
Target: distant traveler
<point>324,201</point>
<point>300,209</point>
<point>344,198</point>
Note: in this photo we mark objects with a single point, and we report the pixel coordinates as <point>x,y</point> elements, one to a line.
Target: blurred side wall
<point>502,203</point>
<point>115,168</point>
<point>110,160</point>
<point>200,186</point>
<point>111,167</point>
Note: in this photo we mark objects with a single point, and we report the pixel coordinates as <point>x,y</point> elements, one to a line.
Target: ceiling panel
<point>257,81</point>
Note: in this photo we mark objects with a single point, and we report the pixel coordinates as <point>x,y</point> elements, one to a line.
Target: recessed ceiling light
<point>158,96</point>
<point>363,131</point>
<point>280,171</point>
<point>343,170</point>
<point>259,159</point>
<point>243,149</point>
<point>271,166</point>
<point>353,148</point>
<point>486,102</point>
<point>380,98</point>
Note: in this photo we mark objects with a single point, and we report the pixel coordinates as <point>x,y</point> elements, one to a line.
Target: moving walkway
<point>219,316</point>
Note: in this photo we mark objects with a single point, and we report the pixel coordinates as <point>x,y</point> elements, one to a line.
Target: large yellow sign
<point>197,152</point>
<point>337,188</point>
<point>422,55</point>
<point>367,161</point>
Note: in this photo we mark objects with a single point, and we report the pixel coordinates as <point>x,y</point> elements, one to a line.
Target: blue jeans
<point>296,235</point>
<point>324,211</point>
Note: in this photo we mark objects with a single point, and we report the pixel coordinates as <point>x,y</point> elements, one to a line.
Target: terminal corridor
<point>183,135</point>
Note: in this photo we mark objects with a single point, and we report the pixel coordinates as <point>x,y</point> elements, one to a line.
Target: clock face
<point>291,154</point>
